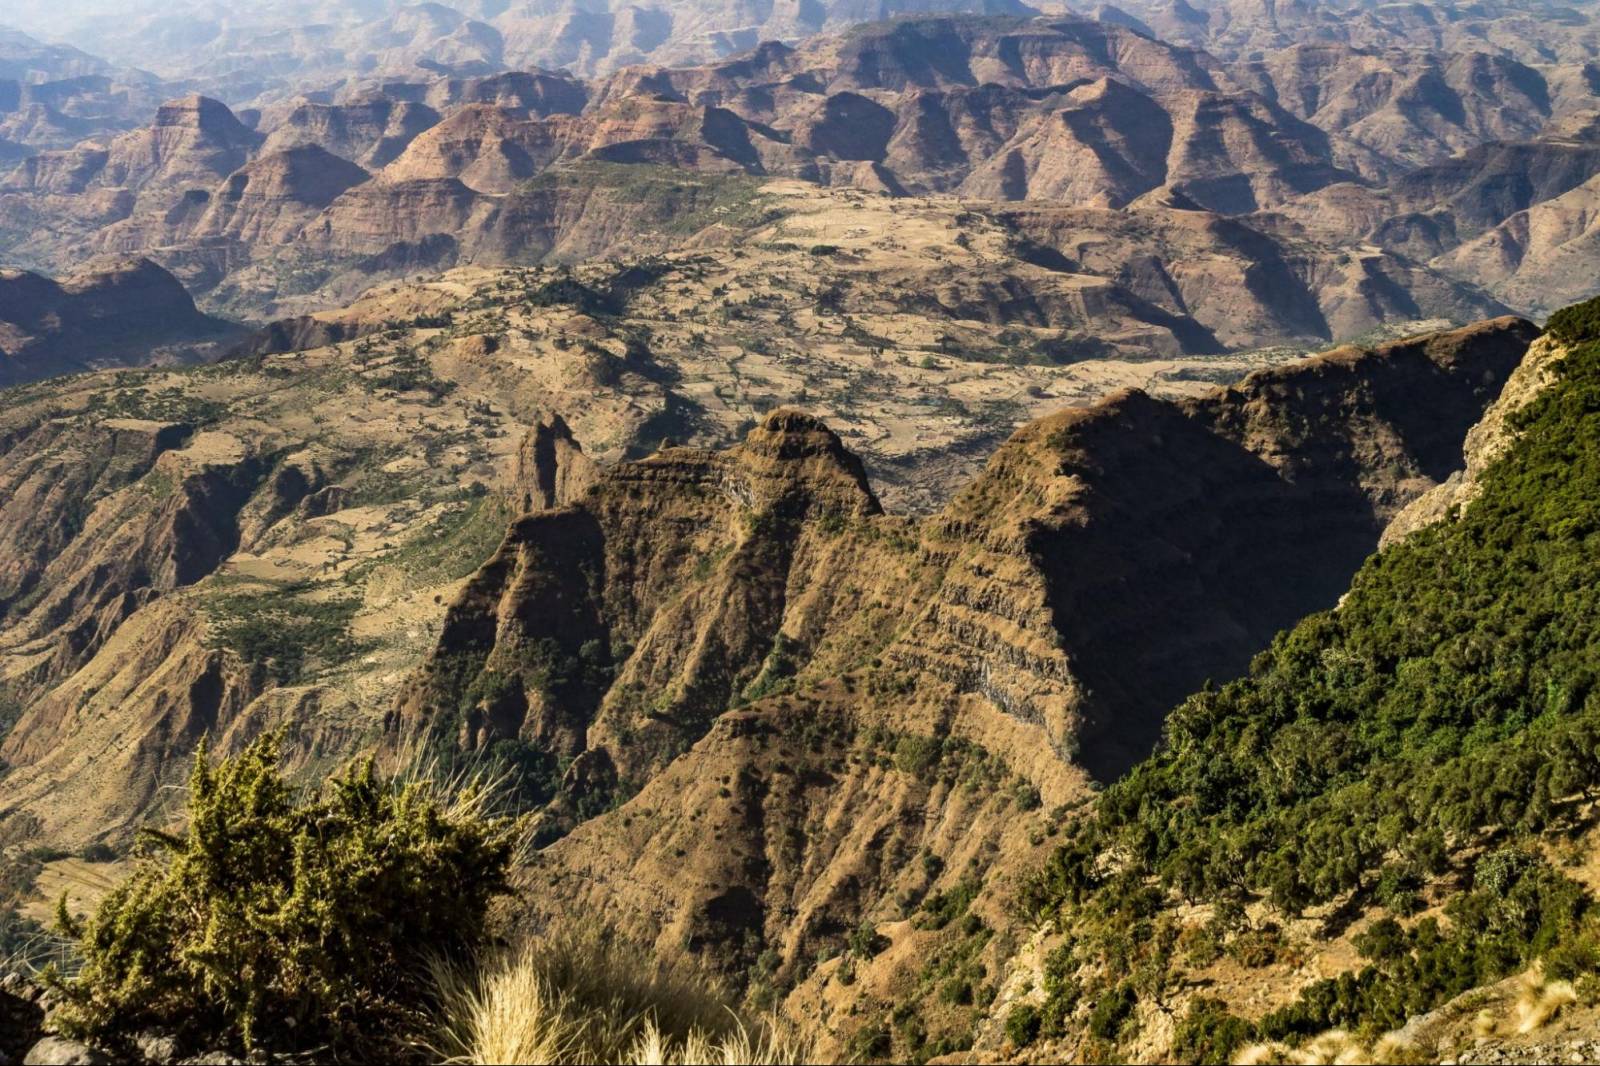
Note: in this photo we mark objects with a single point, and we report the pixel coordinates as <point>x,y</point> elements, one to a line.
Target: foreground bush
<point>282,920</point>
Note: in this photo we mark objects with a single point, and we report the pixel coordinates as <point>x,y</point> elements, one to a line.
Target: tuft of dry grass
<point>1537,1004</point>
<point>735,1048</point>
<point>507,1014</point>
<point>577,996</point>
<point>1539,1001</point>
<point>586,997</point>
<point>1333,1048</point>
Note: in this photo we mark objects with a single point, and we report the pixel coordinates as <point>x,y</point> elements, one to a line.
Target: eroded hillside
<point>169,524</point>
<point>740,648</point>
<point>110,313</point>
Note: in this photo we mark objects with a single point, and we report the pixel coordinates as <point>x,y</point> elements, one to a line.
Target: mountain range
<point>970,531</point>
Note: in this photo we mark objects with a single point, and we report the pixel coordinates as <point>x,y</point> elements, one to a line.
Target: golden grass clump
<point>735,1048</point>
<point>1539,1001</point>
<point>1333,1048</point>
<point>1537,1004</point>
<point>583,998</point>
<point>507,1015</point>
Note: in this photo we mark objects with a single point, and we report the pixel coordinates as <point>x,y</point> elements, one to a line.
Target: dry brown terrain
<point>374,474</point>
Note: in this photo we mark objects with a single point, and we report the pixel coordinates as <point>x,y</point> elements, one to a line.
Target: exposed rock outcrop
<point>552,470</point>
<point>542,629</point>
<point>1486,442</point>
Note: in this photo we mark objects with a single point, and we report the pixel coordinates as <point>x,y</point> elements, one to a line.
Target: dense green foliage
<point>1208,1035</point>
<point>1576,324</point>
<point>288,920</point>
<point>1452,699</point>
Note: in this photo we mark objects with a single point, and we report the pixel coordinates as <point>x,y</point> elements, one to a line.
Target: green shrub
<point>1256,948</point>
<point>1113,1010</point>
<point>284,917</point>
<point>873,1041</point>
<point>956,991</point>
<point>1022,1024</point>
<point>1383,939</point>
<point>1398,888</point>
<point>1208,1034</point>
<point>942,908</point>
<point>916,755</point>
<point>866,941</point>
<point>1200,945</point>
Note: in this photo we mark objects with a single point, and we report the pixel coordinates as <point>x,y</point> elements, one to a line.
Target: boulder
<point>59,1051</point>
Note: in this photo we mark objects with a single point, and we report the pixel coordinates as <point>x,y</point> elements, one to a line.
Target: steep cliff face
<point>1178,563</point>
<point>791,824</point>
<point>110,520</point>
<point>1112,558</point>
<point>731,614</point>
<point>528,92</point>
<point>1487,441</point>
<point>84,567</point>
<point>370,133</point>
<point>590,625</point>
<point>270,200</point>
<point>193,141</point>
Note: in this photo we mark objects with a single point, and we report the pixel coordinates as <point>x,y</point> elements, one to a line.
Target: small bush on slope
<point>1452,699</point>
<point>288,920</point>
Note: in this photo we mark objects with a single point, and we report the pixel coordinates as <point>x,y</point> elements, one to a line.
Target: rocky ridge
<point>1009,627</point>
<point>344,470</point>
<point>112,312</point>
